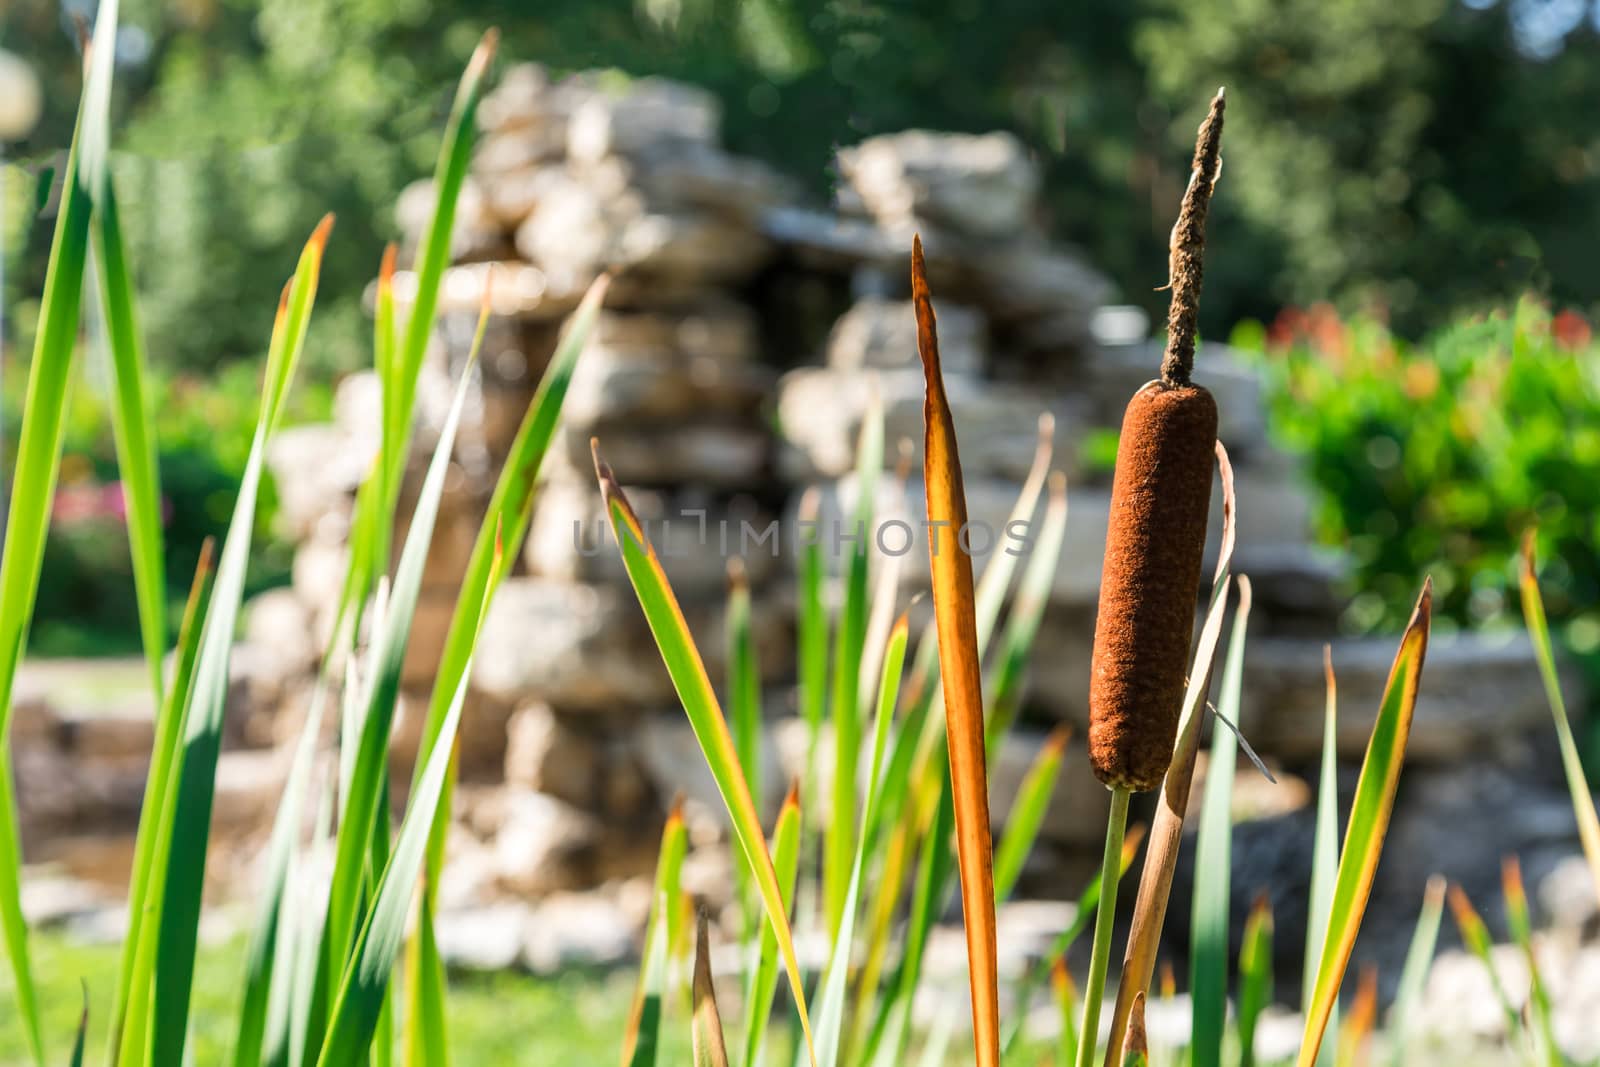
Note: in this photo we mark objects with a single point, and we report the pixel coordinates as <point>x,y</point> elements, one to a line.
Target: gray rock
<point>578,930</point>
<point>625,383</point>
<point>671,757</point>
<point>650,114</point>
<point>821,410</point>
<point>978,184</point>
<point>546,755</point>
<point>519,290</point>
<point>1031,280</point>
<point>718,331</point>
<point>514,195</point>
<point>476,233</point>
<point>483,939</point>
<point>1567,895</point>
<point>587,647</point>
<point>543,845</point>
<point>526,97</point>
<point>882,334</point>
<point>1477,690</point>
<point>701,177</point>
<point>1078,806</point>
<point>316,469</point>
<point>576,231</point>
<point>725,454</point>
<point>278,619</point>
<point>695,535</point>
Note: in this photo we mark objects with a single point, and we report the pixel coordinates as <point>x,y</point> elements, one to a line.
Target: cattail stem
<point>1187,251</point>
<point>1104,917</point>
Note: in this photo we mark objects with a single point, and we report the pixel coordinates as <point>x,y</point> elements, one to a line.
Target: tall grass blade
<point>764,979</point>
<point>1255,976</point>
<point>688,673</point>
<point>1166,833</point>
<point>1369,821</point>
<point>37,461</point>
<point>709,1048</point>
<point>1066,998</point>
<point>1414,975</point>
<point>423,1031</point>
<point>1022,624</point>
<point>1520,922</point>
<point>297,1011</point>
<point>643,1033</point>
<point>1324,852</point>
<point>830,1002</point>
<point>76,1059</point>
<point>1539,632</point>
<point>887,1044</point>
<point>262,955</point>
<point>1083,913</point>
<point>361,990</point>
<point>744,706</point>
<point>1475,936</point>
<point>504,524</point>
<point>917,741</point>
<point>132,432</point>
<point>1027,813</point>
<point>1357,1029</point>
<point>192,789</point>
<point>364,800</point>
<point>812,626</point>
<point>849,640</point>
<point>499,538</point>
<point>433,256</point>
<point>960,674</point>
<point>639,1038</point>
<point>1208,955</point>
<point>146,879</point>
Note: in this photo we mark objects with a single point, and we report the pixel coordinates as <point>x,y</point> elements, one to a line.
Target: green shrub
<point>202,425</point>
<point>1436,456</point>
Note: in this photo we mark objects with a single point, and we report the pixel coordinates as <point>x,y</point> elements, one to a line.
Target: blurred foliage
<point>86,603</point>
<point>1372,144</point>
<point>1416,156</point>
<point>1435,457</point>
<point>1423,156</point>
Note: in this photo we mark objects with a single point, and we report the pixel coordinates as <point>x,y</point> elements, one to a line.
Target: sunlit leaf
<point>688,672</point>
<point>1577,784</point>
<point>961,677</point>
<point>1209,944</point>
<point>1369,821</point>
<point>1414,975</point>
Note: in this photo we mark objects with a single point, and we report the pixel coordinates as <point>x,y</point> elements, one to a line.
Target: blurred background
<point>1399,295</point>
<point>1410,163</point>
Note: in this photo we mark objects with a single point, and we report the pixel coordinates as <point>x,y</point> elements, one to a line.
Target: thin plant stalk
<point>1104,918</point>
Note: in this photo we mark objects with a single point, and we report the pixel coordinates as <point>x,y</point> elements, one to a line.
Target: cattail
<point>1160,497</point>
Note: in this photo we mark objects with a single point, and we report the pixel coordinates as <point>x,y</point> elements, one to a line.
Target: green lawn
<point>497,1019</point>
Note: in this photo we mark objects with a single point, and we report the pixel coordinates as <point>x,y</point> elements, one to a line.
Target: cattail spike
<point>1185,265</point>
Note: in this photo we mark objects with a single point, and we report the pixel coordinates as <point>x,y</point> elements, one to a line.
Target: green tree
<point>1407,152</point>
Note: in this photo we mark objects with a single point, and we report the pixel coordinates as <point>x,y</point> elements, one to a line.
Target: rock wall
<point>740,346</point>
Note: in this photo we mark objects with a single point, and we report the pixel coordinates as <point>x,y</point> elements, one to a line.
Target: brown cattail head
<point>1160,497</point>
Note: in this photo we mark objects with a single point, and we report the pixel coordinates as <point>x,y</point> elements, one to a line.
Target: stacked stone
<point>1012,310</point>
<point>574,741</point>
<point>562,789</point>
